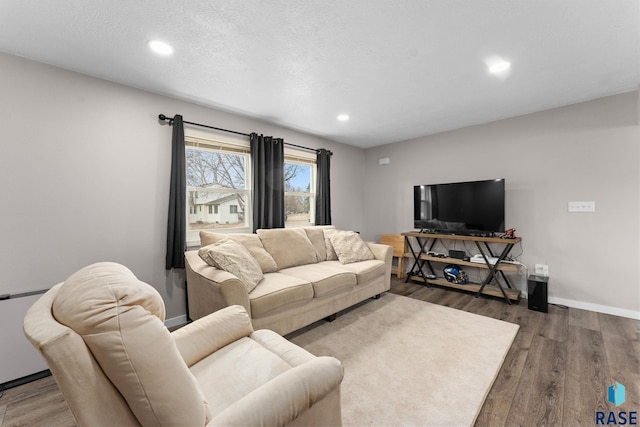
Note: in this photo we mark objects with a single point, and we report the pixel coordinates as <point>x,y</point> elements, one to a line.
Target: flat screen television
<point>467,208</point>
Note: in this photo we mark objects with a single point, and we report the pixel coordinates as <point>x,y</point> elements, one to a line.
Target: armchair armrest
<point>208,334</point>
<point>286,397</point>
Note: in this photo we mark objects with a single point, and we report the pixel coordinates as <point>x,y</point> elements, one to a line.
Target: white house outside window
<point>218,178</point>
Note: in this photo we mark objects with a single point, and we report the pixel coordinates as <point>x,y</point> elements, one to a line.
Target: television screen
<point>475,207</point>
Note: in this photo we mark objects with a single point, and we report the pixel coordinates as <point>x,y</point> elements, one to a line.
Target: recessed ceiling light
<point>343,117</point>
<point>161,48</point>
<point>499,67</point>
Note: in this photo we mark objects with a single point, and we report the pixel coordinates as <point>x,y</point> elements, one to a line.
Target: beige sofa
<point>102,334</point>
<point>304,275</point>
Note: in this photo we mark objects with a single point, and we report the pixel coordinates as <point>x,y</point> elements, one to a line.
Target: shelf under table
<point>503,266</point>
<point>493,290</point>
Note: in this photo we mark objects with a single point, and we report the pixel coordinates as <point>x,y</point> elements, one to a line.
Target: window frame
<point>226,145</point>
<point>306,159</point>
<point>200,139</point>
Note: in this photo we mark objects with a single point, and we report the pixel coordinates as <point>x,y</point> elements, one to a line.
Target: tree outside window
<point>217,179</point>
<point>299,197</point>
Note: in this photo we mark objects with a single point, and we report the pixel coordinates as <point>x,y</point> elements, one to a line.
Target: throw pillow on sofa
<point>249,240</point>
<point>350,247</point>
<point>331,253</point>
<point>231,256</point>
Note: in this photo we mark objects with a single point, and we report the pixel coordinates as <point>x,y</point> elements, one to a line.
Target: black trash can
<point>537,293</point>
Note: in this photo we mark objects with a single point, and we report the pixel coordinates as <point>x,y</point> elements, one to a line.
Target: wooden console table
<point>425,243</point>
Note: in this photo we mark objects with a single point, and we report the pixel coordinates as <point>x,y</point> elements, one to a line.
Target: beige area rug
<point>409,362</point>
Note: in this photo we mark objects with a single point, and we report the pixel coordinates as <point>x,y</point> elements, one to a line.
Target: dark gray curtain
<point>267,171</point>
<point>323,188</point>
<point>176,226</point>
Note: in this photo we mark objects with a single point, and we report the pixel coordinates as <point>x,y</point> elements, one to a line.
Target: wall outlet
<point>541,270</point>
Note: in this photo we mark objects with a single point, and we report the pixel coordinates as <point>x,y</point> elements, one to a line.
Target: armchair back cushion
<point>121,319</point>
<point>91,397</point>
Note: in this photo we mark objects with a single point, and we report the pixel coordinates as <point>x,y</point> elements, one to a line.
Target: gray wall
<point>585,152</point>
<point>84,175</point>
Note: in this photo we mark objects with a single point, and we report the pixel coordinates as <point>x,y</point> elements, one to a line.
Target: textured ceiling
<point>400,68</point>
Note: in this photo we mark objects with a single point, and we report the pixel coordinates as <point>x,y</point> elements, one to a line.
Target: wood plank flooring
<point>555,374</point>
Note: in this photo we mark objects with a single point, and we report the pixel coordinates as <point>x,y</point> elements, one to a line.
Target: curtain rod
<point>162,117</point>
<point>21,295</point>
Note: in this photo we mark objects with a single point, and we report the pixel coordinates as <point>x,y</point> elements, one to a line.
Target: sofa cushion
<point>277,291</point>
<point>289,247</point>
<point>365,271</point>
<point>326,279</point>
<point>121,321</point>
<point>350,247</point>
<point>250,241</point>
<point>234,258</point>
<point>316,237</point>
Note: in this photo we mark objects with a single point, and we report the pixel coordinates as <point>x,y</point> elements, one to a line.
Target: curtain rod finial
<point>164,118</point>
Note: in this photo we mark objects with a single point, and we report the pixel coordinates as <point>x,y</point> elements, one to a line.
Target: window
<point>299,185</point>
<point>218,175</point>
<point>219,186</point>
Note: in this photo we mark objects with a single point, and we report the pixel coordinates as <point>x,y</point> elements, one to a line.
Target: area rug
<point>409,362</point>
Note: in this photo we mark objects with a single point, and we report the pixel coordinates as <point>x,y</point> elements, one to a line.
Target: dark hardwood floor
<point>556,373</point>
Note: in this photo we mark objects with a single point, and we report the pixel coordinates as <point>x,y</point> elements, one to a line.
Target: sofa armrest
<point>210,289</point>
<point>381,252</point>
<point>286,397</point>
<point>199,339</point>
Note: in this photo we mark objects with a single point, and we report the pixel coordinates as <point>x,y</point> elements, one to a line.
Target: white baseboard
<point>596,307</point>
<point>176,321</point>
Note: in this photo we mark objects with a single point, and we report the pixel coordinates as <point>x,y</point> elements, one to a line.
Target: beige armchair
<point>103,336</point>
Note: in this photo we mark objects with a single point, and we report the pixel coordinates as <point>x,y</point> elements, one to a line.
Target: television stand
<point>420,244</point>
